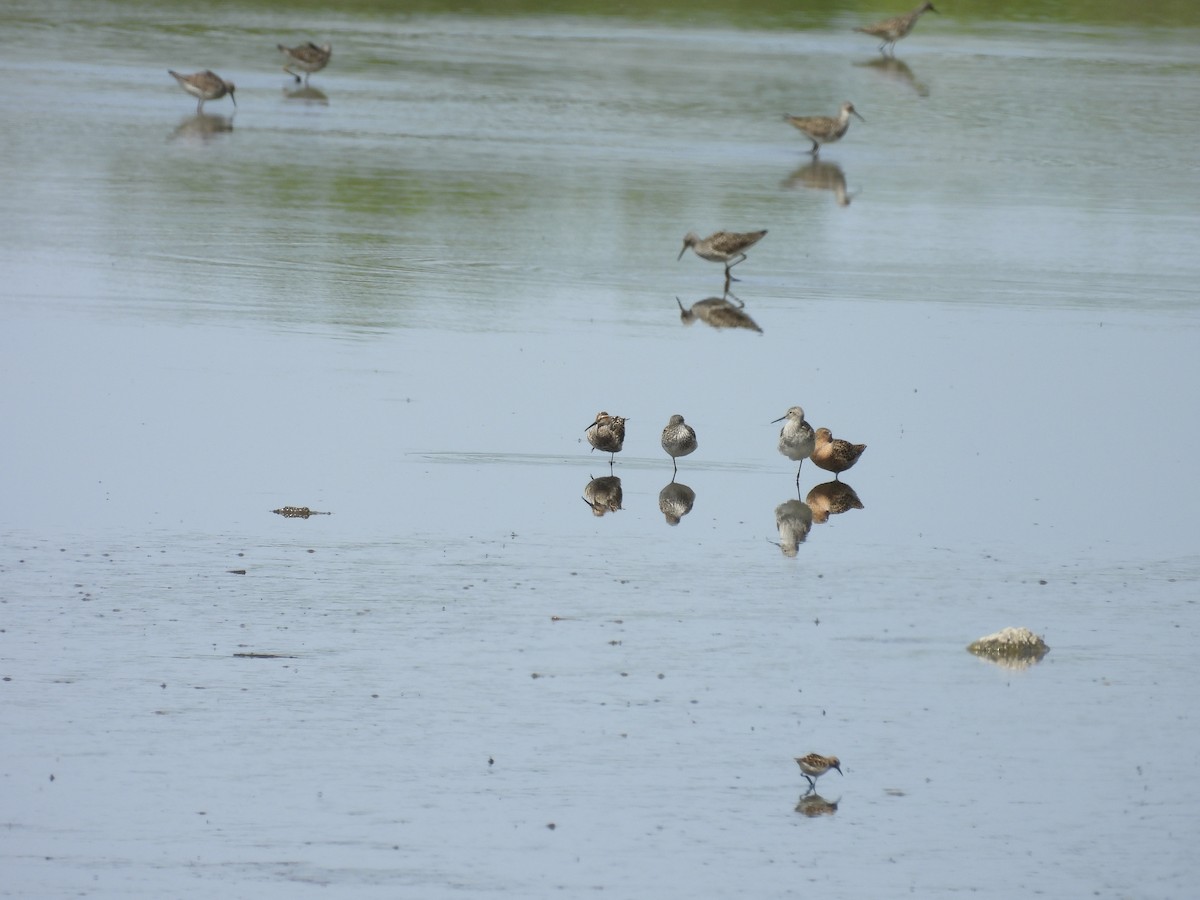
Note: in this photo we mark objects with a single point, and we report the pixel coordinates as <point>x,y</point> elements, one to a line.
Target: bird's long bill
<point>681,252</point>
<point>233,98</point>
<point>593,425</point>
<point>780,419</point>
<point>840,772</point>
<point>854,112</point>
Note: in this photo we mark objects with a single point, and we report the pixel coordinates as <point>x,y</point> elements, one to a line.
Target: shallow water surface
<point>400,296</point>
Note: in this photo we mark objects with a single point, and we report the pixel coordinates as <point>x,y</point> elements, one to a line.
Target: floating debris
<point>298,512</point>
<point>1017,648</point>
<point>264,656</point>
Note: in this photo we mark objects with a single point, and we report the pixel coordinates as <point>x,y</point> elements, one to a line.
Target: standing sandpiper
<point>891,30</point>
<point>833,454</point>
<point>825,129</point>
<point>678,439</point>
<point>815,765</point>
<point>308,58</point>
<point>796,438</point>
<point>607,434</point>
<point>206,85</point>
<point>727,247</point>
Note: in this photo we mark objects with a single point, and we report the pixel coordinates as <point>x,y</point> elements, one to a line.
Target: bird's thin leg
<point>674,468</point>
<point>729,265</point>
<point>816,148</point>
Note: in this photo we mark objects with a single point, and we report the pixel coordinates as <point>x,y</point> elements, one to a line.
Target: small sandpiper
<point>678,439</point>
<point>833,454</point>
<point>607,434</point>
<point>891,30</point>
<point>796,438</point>
<point>815,765</point>
<point>206,85</point>
<point>727,247</point>
<point>825,129</point>
<point>308,58</point>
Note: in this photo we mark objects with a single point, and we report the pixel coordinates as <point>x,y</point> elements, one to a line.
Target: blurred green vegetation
<point>764,13</point>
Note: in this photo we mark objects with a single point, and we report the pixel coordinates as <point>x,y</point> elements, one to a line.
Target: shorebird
<point>727,247</point>
<point>891,30</point>
<point>606,434</point>
<point>206,85</point>
<point>833,454</point>
<point>678,439</point>
<point>815,765</point>
<point>308,58</point>
<point>796,438</point>
<point>824,129</point>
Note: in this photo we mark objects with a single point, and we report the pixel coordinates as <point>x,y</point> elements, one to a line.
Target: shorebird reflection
<point>821,176</point>
<point>718,312</point>
<point>201,127</point>
<point>898,69</point>
<point>307,94</point>
<point>675,501</point>
<point>831,499</point>
<point>813,805</point>
<point>794,519</point>
<point>603,494</point>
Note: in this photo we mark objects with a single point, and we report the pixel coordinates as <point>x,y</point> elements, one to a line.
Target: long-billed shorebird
<point>824,129</point>
<point>833,454</point>
<point>607,434</point>
<point>308,58</point>
<point>815,765</point>
<point>796,438</point>
<point>678,439</point>
<point>727,247</point>
<point>891,30</point>
<point>206,85</point>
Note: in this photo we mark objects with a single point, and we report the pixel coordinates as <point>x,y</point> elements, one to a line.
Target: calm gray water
<point>400,298</point>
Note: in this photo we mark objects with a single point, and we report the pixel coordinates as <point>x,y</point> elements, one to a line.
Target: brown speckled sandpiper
<point>206,85</point>
<point>891,30</point>
<point>308,58</point>
<point>678,439</point>
<point>824,129</point>
<point>607,434</point>
<point>728,247</point>
<point>833,454</point>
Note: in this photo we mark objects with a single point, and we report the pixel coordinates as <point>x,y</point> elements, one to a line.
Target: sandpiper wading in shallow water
<point>606,433</point>
<point>206,85</point>
<point>678,439</point>
<point>727,247</point>
<point>815,765</point>
<point>824,129</point>
<point>796,438</point>
<point>833,454</point>
<point>308,58</point>
<point>891,30</point>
